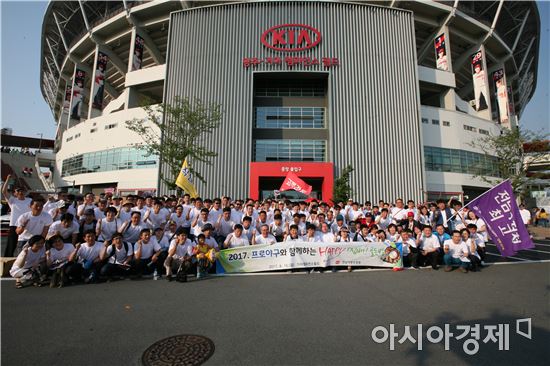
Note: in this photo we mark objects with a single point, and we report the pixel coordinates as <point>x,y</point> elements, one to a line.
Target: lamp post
<point>40,143</point>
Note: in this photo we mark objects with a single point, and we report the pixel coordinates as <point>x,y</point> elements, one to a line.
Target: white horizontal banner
<point>290,255</point>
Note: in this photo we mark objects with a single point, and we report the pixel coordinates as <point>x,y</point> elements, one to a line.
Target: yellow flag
<point>185,180</point>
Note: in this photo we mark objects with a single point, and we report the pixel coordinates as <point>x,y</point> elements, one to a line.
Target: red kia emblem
<point>291,37</point>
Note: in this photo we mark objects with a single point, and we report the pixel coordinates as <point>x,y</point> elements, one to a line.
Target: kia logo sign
<point>291,37</point>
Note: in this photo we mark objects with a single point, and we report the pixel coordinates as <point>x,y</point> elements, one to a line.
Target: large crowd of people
<point>68,238</point>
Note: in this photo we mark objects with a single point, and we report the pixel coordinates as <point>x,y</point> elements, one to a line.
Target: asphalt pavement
<point>282,319</point>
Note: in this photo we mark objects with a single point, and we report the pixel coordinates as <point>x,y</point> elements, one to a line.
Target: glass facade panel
<point>438,159</point>
<point>108,160</point>
<point>290,117</point>
<point>289,150</point>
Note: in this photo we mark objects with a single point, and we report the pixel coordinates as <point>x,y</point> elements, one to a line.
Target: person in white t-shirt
<point>264,237</point>
<point>19,204</point>
<point>277,227</point>
<point>410,251</point>
<point>326,236</point>
<point>117,257</point>
<point>34,222</point>
<point>399,212</point>
<point>384,220</point>
<point>88,204</point>
<point>30,264</point>
<point>178,217</point>
<point>86,258</point>
<point>472,241</point>
<point>108,226</point>
<point>158,216</point>
<point>66,227</point>
<point>456,253</point>
<point>236,239</point>
<point>131,230</point>
<point>293,233</point>
<point>429,247</point>
<point>479,241</point>
<point>525,214</point>
<point>58,261</point>
<point>146,253</point>
<point>180,257</point>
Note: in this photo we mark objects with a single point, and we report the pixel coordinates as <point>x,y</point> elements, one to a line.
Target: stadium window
<point>69,139</point>
<point>425,120</point>
<point>470,128</point>
<point>446,123</point>
<point>112,125</point>
<point>435,122</point>
<point>483,132</point>
<point>93,130</point>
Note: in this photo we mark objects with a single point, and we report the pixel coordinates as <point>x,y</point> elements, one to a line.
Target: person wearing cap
<point>116,202</point>
<point>338,225</point>
<point>60,208</point>
<point>19,204</point>
<point>126,210</point>
<point>264,237</point>
<point>51,203</point>
<point>410,223</point>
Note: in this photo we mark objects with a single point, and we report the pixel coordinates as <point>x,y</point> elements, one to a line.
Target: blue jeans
<point>450,261</point>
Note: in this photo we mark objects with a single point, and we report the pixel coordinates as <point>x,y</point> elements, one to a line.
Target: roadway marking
<point>527,250</point>
<point>519,259</point>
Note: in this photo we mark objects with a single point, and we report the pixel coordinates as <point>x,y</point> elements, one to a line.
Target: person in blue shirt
<point>441,236</point>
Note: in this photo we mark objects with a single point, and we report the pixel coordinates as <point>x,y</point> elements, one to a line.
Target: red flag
<point>293,182</point>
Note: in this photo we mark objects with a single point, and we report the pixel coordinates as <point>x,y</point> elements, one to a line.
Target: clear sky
<point>24,110</point>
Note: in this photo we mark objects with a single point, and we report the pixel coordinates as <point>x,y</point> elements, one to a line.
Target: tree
<point>175,131</point>
<point>516,151</point>
<point>342,188</point>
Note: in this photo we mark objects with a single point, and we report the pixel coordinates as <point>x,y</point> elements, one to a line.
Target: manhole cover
<point>185,349</point>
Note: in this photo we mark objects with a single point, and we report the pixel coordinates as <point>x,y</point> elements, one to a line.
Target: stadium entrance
<point>266,178</point>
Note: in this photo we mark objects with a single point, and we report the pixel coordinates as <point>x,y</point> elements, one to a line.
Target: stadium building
<point>396,89</point>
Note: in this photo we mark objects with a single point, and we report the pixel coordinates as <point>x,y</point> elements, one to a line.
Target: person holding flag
<point>185,180</point>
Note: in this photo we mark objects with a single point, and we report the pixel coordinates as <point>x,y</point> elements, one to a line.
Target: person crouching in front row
<point>456,253</point>
<point>57,258</point>
<point>30,264</point>
<point>86,258</point>
<point>205,256</point>
<point>180,256</point>
<point>117,257</point>
<point>147,251</point>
